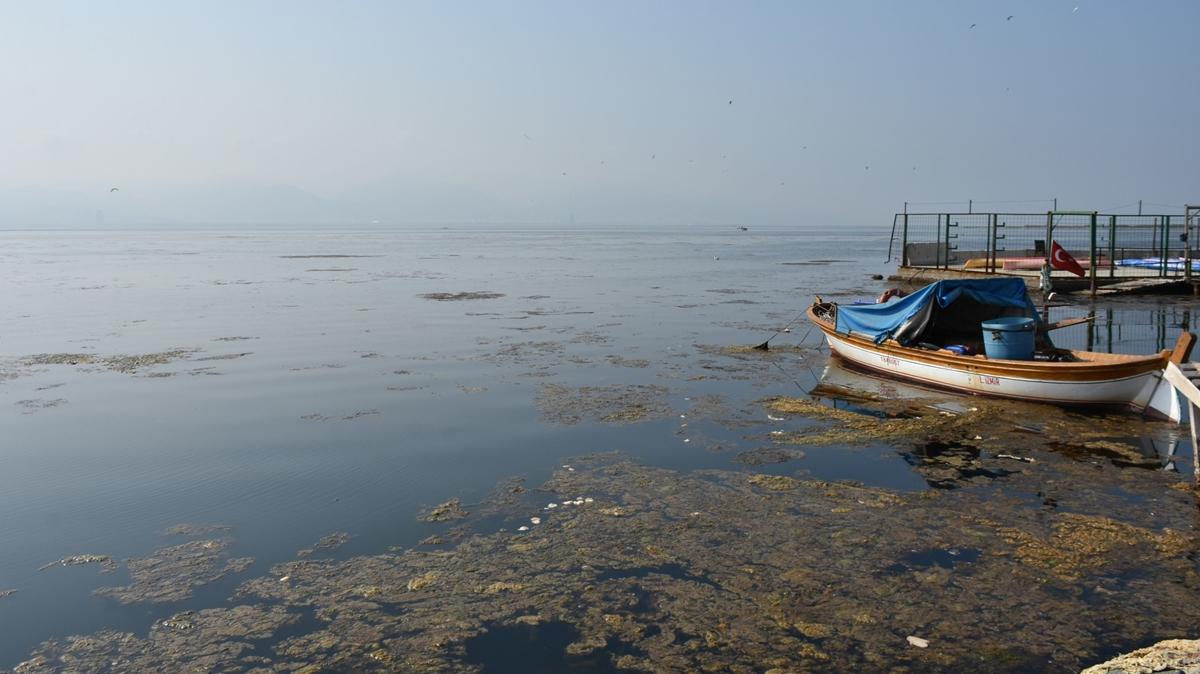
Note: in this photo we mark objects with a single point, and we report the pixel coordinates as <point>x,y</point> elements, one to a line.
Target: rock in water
<point>1172,655</point>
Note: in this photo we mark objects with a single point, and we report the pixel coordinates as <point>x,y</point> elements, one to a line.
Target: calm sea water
<point>321,392</point>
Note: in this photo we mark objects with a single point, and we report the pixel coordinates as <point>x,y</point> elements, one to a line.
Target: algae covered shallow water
<point>288,449</point>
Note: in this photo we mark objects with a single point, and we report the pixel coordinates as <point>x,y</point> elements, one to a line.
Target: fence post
<point>904,239</point>
<point>937,249</point>
<point>1112,245</point>
<point>947,258</point>
<point>1092,252</point>
<point>1187,243</point>
<point>991,252</point>
<point>1164,245</point>
<point>1049,234</point>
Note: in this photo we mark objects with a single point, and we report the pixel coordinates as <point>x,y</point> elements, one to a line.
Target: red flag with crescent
<point>1061,259</point>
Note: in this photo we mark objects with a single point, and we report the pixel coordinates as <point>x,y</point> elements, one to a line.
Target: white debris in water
<point>776,418</point>
<point>284,579</point>
<point>588,499</point>
<point>776,432</point>
<point>551,505</point>
<point>535,520</point>
<point>522,528</point>
<point>918,642</point>
<point>687,439</point>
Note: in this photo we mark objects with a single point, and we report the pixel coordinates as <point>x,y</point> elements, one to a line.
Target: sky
<point>785,114</point>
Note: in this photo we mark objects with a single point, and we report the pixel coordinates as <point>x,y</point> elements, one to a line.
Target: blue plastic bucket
<point>1009,338</point>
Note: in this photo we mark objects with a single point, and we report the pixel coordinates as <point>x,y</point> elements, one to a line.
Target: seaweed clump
<point>126,364</point>
<point>459,297</point>
<point>170,574</point>
<point>444,512</point>
<point>328,542</point>
<point>608,404</point>
<point>107,565</point>
<point>217,639</point>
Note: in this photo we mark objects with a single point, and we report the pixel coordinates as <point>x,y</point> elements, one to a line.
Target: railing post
<point>1112,245</point>
<point>1049,234</point>
<point>991,252</point>
<point>1092,252</point>
<point>937,248</point>
<point>1187,244</point>
<point>1164,245</point>
<point>904,239</point>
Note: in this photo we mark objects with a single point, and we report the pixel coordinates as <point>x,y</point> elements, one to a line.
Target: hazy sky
<point>770,113</point>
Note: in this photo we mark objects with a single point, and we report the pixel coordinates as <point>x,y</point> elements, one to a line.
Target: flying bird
<point>114,190</point>
<point>972,26</point>
<point>1010,16</point>
<point>731,102</point>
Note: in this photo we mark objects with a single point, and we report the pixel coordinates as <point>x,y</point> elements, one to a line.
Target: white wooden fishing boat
<point>907,342</point>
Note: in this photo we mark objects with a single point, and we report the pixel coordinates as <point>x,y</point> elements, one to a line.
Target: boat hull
<point>1136,383</point>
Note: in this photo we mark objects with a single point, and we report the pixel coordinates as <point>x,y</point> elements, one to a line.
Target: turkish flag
<point>1061,259</point>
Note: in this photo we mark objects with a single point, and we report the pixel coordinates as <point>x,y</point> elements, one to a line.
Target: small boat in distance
<point>937,336</point>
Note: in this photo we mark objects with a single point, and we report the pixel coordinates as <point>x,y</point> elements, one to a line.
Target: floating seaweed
<point>170,574</point>
<point>610,404</point>
<point>461,296</point>
<point>444,512</point>
<point>106,563</point>
<point>718,571</point>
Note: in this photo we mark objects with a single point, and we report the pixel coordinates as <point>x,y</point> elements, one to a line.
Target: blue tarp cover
<point>881,321</point>
<point>1172,263</point>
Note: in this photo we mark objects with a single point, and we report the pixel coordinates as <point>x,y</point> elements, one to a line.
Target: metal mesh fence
<point>1121,246</point>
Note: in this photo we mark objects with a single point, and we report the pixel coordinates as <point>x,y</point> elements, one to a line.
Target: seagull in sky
<point>114,190</point>
<point>1010,16</point>
<point>972,26</point>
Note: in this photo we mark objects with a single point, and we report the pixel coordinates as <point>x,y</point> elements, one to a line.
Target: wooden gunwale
<point>1095,366</point>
